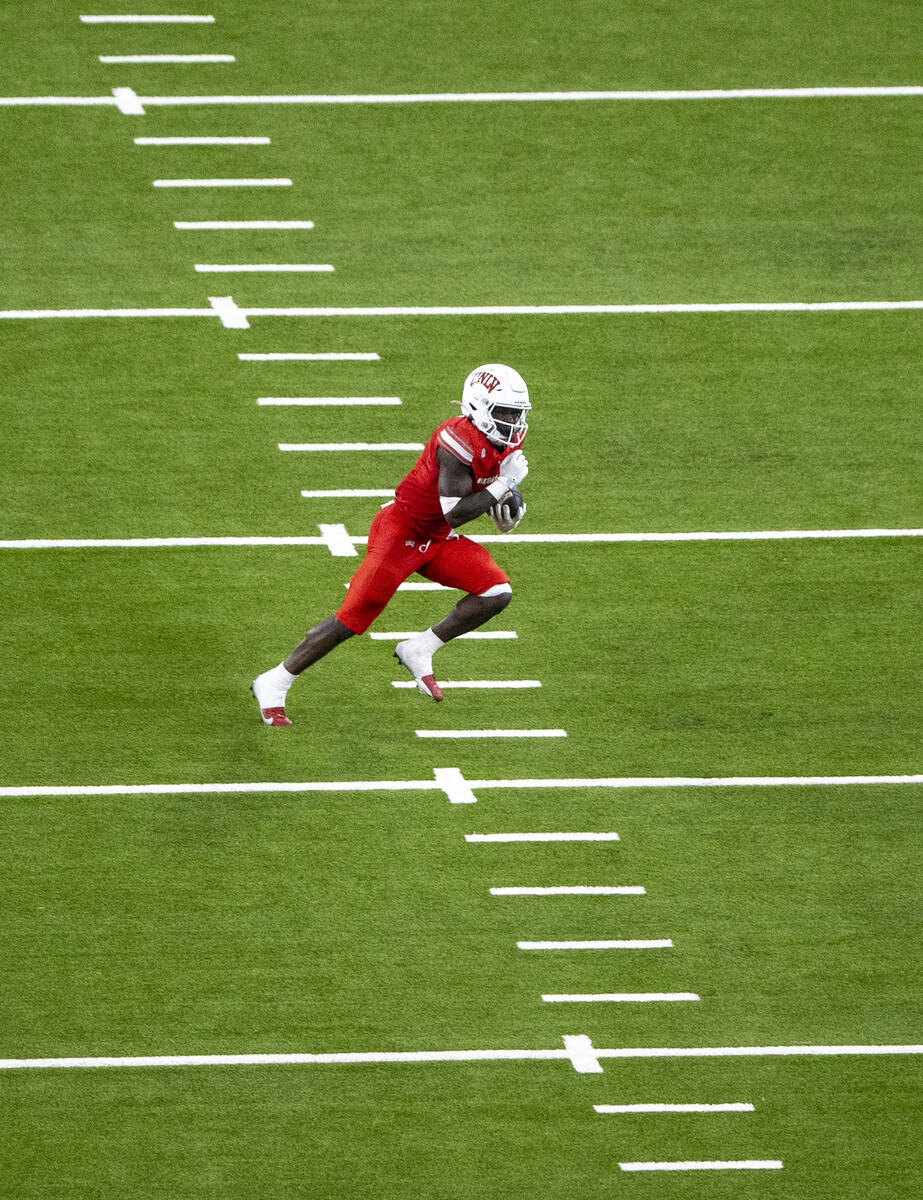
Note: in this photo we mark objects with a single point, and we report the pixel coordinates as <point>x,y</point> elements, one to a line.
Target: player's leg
<point>473,610</point>
<point>316,643</point>
<point>370,589</point>
<point>271,688</point>
<point>459,563</point>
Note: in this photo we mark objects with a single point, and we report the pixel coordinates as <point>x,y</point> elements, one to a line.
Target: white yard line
<point>532,310</point>
<point>540,837</point>
<point>756,535</point>
<point>260,268</point>
<point>475,635</point>
<point>155,542</point>
<point>548,538</point>
<point>344,493</point>
<point>228,313</point>
<point>147,20</point>
<point>337,541</point>
<point>674,1108</point>
<point>578,1050</point>
<point>166,58</point>
<point>575,890</point>
<point>436,784</point>
<point>202,141</point>
<point>453,783</point>
<point>474,683</point>
<point>617,944</point>
<point>328,401</point>
<point>491,733</point>
<point>618,997</point>
<point>324,446</point>
<point>221,183</point>
<point>323,356</point>
<point>509,97</point>
<point>680,781</point>
<point>747,1164</point>
<point>447,310</point>
<point>126,99</point>
<point>243,225</point>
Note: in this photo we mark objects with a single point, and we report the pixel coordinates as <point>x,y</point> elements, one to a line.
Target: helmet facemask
<point>509,425</point>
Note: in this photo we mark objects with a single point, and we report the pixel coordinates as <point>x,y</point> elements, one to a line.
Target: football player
<point>471,465</point>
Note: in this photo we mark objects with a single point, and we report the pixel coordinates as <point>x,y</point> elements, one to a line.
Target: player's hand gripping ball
<point>508,512</point>
<point>514,502</point>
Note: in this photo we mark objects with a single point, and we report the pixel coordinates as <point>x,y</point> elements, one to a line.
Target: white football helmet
<point>487,391</point>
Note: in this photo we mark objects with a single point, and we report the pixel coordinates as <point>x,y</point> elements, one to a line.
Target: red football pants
<point>393,554</point>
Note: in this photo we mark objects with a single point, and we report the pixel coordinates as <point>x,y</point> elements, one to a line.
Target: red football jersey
<point>417,495</point>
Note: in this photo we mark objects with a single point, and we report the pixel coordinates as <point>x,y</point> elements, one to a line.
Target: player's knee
<point>497,597</point>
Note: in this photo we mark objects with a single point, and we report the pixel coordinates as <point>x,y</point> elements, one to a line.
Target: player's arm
<point>460,503</point>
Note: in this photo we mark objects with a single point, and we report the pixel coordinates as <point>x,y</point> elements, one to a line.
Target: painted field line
<point>155,542</point>
<point>59,102</point>
<point>482,310</point>
<point>147,20</point>
<point>508,684</point>
<point>42,314</point>
<point>323,356</point>
<point>436,785</point>
<point>744,1164</point>
<point>691,782</point>
<point>348,492</point>
<point>617,944</point>
<point>760,1051</point>
<point>422,587</point>
<point>474,635</point>
<point>491,733</point>
<point>576,890</point>
<point>541,837</point>
<point>228,313</point>
<point>313,446</point>
<point>235,1060</point>
<point>617,997</point>
<point>727,781</point>
<point>790,93</point>
<point>337,541</point>
<point>578,1050</point>
<point>243,224</point>
<point>260,268</point>
<point>220,183</point>
<point>201,141</point>
<point>673,1108</point>
<point>537,310</point>
<point>760,535</point>
<point>166,58</point>
<point>217,789</point>
<point>329,402</point>
<point>547,538</point>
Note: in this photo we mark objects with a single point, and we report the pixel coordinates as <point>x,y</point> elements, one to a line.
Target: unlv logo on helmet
<point>486,380</point>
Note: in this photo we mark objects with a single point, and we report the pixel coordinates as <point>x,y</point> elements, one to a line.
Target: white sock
<point>428,642</point>
<point>280,677</point>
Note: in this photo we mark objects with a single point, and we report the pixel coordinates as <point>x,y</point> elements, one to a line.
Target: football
<point>513,501</point>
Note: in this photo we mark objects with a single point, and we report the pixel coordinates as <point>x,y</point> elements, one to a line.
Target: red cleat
<point>420,666</point>
<point>275,716</point>
<point>428,682</point>
<point>271,714</point>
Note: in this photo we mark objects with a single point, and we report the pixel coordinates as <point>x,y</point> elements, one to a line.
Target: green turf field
<point>359,915</point>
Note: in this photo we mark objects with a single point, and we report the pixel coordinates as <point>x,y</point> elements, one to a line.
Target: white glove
<point>513,471</point>
<point>514,468</point>
<point>502,519</point>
